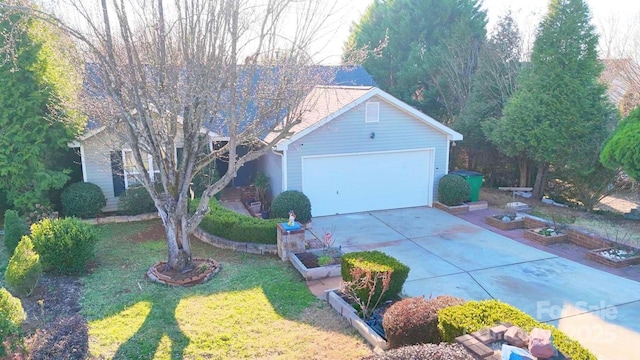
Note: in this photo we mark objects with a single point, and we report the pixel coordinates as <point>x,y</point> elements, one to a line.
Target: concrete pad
<point>474,248</point>
<point>236,206</point>
<point>422,263</point>
<point>354,229</point>
<point>318,287</point>
<point>542,288</point>
<point>418,221</point>
<point>611,334</point>
<point>461,285</point>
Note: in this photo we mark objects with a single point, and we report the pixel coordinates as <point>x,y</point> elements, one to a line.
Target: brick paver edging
<point>120,219</point>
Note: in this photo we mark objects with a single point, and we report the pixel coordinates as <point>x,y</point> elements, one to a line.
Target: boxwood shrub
<point>453,190</point>
<point>64,245</point>
<point>475,315</point>
<point>24,269</point>
<point>230,225</point>
<point>376,261</point>
<point>14,228</point>
<point>83,199</point>
<point>291,200</point>
<point>135,201</point>
<point>11,317</point>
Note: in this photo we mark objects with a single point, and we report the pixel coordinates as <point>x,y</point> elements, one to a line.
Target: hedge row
<point>237,227</point>
<point>476,315</point>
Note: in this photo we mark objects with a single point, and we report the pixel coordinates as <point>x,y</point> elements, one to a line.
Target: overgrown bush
<point>453,190</point>
<point>41,212</point>
<point>415,320</point>
<point>291,200</point>
<point>475,315</point>
<point>15,228</point>
<point>64,245</point>
<point>237,227</point>
<point>24,269</point>
<point>11,317</point>
<point>375,261</point>
<point>442,351</point>
<point>83,199</point>
<point>135,201</point>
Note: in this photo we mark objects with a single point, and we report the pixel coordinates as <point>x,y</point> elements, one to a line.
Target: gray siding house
<point>360,149</point>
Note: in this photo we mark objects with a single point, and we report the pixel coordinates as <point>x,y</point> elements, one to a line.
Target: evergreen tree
<point>493,83</point>
<point>38,83</point>
<point>423,52</point>
<point>622,149</point>
<point>559,114</point>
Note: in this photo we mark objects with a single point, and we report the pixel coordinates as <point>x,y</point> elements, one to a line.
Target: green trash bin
<point>474,179</point>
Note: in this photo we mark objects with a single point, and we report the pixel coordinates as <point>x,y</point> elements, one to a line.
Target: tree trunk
<point>541,180</point>
<point>178,242</point>
<point>525,170</point>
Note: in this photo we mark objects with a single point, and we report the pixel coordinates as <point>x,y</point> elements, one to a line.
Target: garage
<point>348,183</point>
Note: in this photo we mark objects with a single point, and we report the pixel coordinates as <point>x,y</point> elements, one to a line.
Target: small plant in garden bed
<point>548,232</point>
<point>618,254</point>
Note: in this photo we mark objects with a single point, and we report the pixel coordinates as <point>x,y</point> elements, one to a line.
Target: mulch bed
<point>310,260</point>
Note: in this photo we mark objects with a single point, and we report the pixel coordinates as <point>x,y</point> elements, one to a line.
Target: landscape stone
<point>540,344</point>
<point>497,332</point>
<point>516,336</point>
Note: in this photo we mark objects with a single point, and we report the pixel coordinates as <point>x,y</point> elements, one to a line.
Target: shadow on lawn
<point>159,322</point>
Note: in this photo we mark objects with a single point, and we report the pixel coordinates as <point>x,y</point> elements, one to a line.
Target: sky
<point>615,19</point>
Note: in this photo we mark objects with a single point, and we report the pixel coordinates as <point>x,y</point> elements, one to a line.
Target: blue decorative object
<point>296,226</point>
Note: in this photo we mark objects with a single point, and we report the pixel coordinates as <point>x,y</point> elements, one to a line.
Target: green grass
<point>256,307</point>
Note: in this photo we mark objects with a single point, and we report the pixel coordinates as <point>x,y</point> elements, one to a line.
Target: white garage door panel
<point>370,181</point>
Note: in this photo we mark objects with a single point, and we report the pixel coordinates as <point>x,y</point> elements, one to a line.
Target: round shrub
<point>14,228</point>
<point>442,351</point>
<point>375,261</point>
<point>11,317</point>
<point>415,320</point>
<point>64,245</point>
<point>291,200</point>
<point>83,199</point>
<point>135,201</point>
<point>24,269</point>
<point>453,190</point>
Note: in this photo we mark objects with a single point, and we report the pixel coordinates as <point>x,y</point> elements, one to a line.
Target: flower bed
<point>615,257</point>
<point>459,209</point>
<point>318,272</point>
<point>498,221</point>
<point>545,236</point>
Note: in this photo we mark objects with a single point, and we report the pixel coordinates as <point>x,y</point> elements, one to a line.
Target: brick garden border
<point>594,255</point>
<point>251,248</point>
<point>533,235</point>
<point>454,210</point>
<point>505,226</point>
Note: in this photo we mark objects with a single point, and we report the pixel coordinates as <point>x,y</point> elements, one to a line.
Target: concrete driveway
<point>448,255</point>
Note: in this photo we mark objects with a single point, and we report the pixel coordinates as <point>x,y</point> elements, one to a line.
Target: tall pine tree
<point>423,52</point>
<point>38,83</point>
<point>559,114</point>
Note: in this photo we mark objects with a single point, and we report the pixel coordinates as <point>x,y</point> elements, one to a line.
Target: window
<point>372,112</point>
<point>131,171</point>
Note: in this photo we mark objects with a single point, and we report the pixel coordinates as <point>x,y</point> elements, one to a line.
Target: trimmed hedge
<point>414,320</point>
<point>230,225</point>
<point>83,199</point>
<point>291,200</point>
<point>376,261</point>
<point>24,269</point>
<point>476,315</point>
<point>11,317</point>
<point>15,228</point>
<point>453,190</point>
<point>65,245</point>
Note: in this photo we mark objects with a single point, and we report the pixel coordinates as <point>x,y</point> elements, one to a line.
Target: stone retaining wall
<point>120,219</point>
<point>577,236</point>
<point>222,243</point>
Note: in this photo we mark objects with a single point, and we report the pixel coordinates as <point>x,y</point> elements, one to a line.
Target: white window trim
<point>374,107</point>
<point>135,172</point>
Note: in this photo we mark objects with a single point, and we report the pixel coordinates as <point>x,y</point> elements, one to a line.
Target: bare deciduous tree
<point>182,71</point>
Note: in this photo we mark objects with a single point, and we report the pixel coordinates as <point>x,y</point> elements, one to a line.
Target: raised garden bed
<point>459,209</point>
<point>309,264</point>
<point>498,221</point>
<point>348,312</point>
<point>615,257</point>
<point>545,236</point>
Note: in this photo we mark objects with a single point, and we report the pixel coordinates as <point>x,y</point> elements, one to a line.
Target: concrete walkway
<point>448,255</point>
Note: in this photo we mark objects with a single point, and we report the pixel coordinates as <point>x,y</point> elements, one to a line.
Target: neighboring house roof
<point>328,102</point>
<point>351,75</point>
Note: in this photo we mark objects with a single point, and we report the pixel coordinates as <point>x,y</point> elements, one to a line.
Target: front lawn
<point>256,307</point>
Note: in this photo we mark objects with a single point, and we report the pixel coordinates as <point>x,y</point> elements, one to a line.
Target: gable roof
<point>329,102</point>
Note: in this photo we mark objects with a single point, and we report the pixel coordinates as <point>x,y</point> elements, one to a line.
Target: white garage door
<point>340,184</point>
